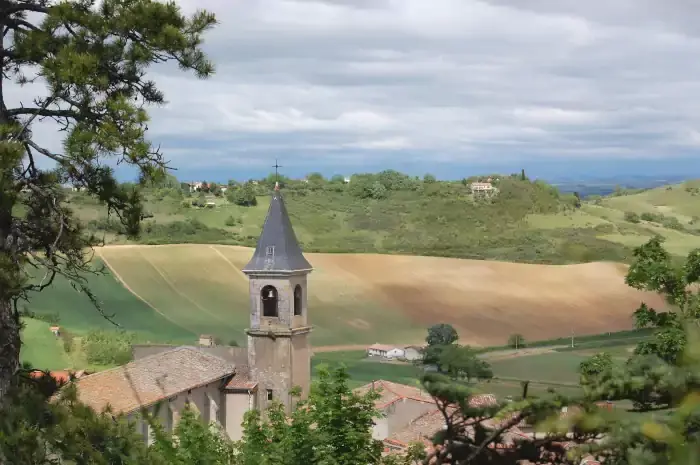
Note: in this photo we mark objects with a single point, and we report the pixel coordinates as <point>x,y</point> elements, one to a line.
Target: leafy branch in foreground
<point>93,61</point>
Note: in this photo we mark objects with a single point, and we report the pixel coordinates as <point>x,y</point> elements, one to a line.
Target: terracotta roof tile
<point>241,379</point>
<point>61,376</point>
<point>422,429</point>
<point>482,400</point>
<point>393,392</point>
<point>150,379</point>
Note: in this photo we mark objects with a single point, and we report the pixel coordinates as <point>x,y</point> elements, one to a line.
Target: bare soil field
<point>359,299</point>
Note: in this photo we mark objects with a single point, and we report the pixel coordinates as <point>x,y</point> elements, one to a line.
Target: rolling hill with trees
<point>392,213</point>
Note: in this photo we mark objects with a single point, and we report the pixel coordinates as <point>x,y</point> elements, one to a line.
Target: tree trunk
<point>9,346</point>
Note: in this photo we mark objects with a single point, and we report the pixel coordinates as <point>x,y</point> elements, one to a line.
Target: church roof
<point>151,379</point>
<point>277,249</point>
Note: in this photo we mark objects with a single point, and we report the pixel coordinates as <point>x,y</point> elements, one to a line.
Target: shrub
<point>67,338</point>
<point>244,196</point>
<point>632,217</point>
<point>230,221</point>
<point>108,347</point>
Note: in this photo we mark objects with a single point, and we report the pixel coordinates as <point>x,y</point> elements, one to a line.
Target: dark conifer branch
<point>93,60</point>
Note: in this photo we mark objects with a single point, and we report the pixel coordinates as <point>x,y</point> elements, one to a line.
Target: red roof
<point>62,376</point>
<point>241,379</point>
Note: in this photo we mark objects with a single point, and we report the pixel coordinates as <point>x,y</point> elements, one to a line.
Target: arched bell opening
<point>297,300</point>
<point>268,294</point>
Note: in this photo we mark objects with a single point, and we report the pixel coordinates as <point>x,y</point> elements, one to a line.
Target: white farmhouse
<point>386,351</point>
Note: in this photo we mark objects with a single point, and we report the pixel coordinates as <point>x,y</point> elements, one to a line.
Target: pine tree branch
<point>23,7</point>
<point>43,112</point>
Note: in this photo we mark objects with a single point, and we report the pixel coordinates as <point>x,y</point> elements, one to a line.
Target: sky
<point>450,87</point>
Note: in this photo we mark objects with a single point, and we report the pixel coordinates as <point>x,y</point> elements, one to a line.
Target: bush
<point>632,217</point>
<point>108,347</point>
<point>230,221</point>
<point>68,339</point>
<point>244,196</point>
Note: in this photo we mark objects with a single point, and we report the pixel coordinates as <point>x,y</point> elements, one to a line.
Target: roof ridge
<point>159,354</point>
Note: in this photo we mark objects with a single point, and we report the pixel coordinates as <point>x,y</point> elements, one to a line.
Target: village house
<point>386,351</point>
<point>481,187</point>
<point>224,383</point>
<point>56,330</point>
<point>412,353</point>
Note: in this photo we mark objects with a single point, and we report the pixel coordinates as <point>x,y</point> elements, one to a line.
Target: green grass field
<point>555,368</point>
<point>534,368</point>
<point>79,314</point>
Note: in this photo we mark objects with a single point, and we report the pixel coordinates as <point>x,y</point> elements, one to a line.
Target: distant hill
<point>607,186</point>
<point>524,221</point>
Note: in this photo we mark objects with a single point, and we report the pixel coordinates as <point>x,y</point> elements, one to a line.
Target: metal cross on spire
<point>277,176</point>
<point>275,166</point>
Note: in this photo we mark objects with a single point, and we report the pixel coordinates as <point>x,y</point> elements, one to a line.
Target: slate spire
<point>277,249</point>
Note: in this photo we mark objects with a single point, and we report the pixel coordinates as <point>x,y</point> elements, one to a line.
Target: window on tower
<point>268,296</point>
<point>297,300</point>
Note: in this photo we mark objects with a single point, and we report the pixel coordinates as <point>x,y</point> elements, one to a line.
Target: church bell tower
<point>279,354</point>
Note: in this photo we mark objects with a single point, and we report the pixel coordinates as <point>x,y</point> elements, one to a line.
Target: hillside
<point>670,211</point>
<point>526,221</point>
<point>362,299</point>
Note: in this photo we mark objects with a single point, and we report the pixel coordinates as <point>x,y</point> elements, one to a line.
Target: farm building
<point>413,353</point>
<point>386,351</point>
<point>481,187</point>
<point>56,330</point>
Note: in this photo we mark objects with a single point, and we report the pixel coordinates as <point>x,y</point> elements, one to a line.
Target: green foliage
<point>34,431</point>
<point>594,367</point>
<point>441,334</point>
<point>93,60</point>
<point>244,195</point>
<point>182,232</point>
<point>632,217</point>
<point>193,442</point>
<point>654,270</point>
<point>108,347</point>
<point>333,427</point>
<point>461,362</point>
<point>68,340</point>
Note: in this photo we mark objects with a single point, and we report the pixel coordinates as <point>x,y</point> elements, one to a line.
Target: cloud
<point>340,82</point>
